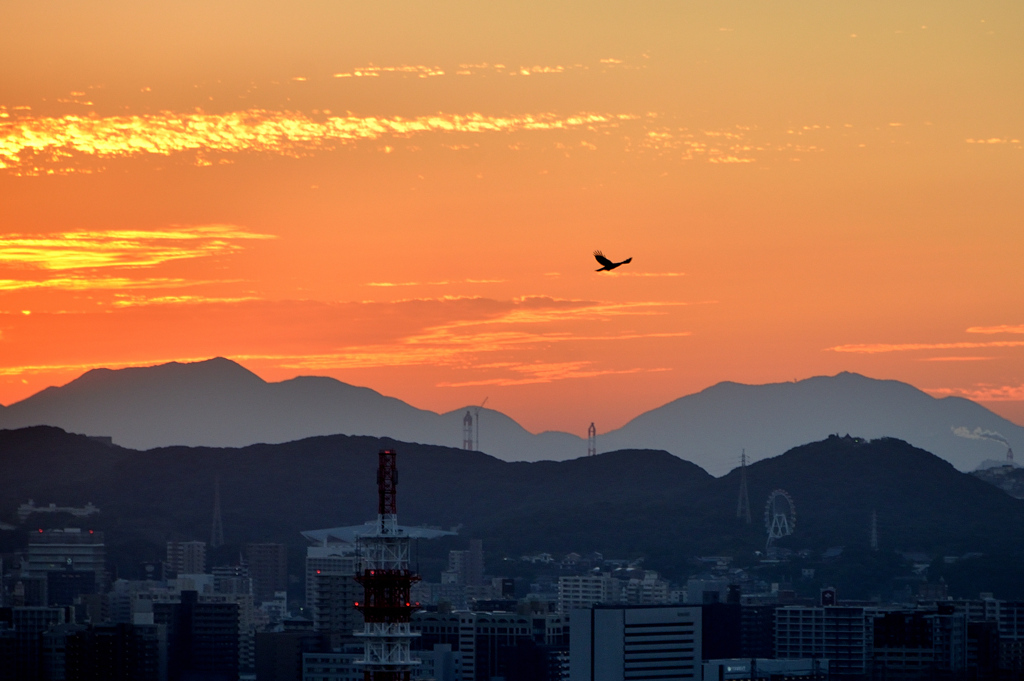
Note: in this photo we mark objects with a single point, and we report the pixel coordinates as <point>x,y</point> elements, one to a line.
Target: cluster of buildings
<point>63,618</point>
<point>368,617</point>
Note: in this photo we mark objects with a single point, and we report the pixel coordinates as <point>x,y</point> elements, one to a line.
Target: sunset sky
<point>406,196</point>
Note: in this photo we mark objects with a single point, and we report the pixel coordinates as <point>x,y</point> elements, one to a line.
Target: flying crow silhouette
<point>606,264</point>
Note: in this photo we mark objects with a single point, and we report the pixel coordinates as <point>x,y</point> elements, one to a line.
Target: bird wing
<point>601,259</point>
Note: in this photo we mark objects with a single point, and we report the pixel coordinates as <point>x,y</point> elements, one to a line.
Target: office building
<point>105,651</point>
<point>202,638</point>
<point>608,643</point>
<point>337,559</point>
<point>29,624</point>
<point>838,633</point>
<point>268,568</point>
<point>334,611</point>
<point>919,642</point>
<point>186,557</point>
<point>76,558</point>
<point>497,644</point>
<point>585,591</point>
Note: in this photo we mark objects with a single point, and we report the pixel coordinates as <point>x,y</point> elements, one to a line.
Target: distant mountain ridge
<point>711,427</point>
<point>219,403</point>
<point>625,504</point>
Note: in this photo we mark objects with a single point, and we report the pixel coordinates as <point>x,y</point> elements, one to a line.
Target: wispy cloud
<point>138,301</point>
<point>954,359</point>
<point>94,283</point>
<point>392,284</point>
<point>38,145</point>
<point>81,367</point>
<point>994,140</point>
<point>1003,328</point>
<point>26,141</point>
<point>503,329</point>
<point>372,71</point>
<point>120,248</point>
<point>982,392</point>
<point>874,348</point>
<point>456,341</point>
<point>483,69</point>
<point>526,374</point>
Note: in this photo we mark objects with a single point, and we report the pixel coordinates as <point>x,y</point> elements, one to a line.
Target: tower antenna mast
<point>467,431</point>
<point>217,526</point>
<point>743,503</point>
<point>478,448</point>
<point>386,579</point>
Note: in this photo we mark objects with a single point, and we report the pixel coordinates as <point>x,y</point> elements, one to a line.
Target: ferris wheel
<point>779,516</point>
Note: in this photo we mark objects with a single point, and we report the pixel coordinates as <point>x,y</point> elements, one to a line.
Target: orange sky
<point>407,196</point>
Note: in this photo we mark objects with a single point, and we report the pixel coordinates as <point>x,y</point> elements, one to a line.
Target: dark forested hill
<point>627,503</point>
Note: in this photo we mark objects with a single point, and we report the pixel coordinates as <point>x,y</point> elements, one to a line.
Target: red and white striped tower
<point>386,580</point>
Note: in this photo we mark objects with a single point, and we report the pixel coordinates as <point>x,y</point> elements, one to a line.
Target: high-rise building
<point>202,638</point>
<point>1010,620</point>
<point>268,567</point>
<point>55,643</point>
<point>608,643</point>
<point>8,648</point>
<point>186,557</point>
<point>498,644</point>
<point>77,559</point>
<point>327,559</point>
<point>467,567</point>
<point>104,651</point>
<point>919,642</point>
<point>334,611</point>
<point>841,634</point>
<point>585,591</point>
<point>646,588</point>
<point>757,631</point>
<point>29,623</point>
<point>332,591</point>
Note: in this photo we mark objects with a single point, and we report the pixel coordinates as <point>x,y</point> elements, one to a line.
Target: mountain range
<point>219,403</point>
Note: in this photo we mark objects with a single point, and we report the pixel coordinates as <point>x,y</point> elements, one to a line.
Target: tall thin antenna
<point>743,503</point>
<point>467,431</point>
<point>591,440</point>
<point>478,448</point>
<point>217,527</point>
<point>874,530</point>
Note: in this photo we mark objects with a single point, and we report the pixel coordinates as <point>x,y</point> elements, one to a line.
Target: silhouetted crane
<point>606,264</point>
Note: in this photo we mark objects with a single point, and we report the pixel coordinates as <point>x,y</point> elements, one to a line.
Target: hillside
<point>627,503</point>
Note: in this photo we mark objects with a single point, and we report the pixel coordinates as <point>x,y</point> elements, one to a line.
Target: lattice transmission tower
<point>386,578</point>
<point>743,503</point>
<point>217,525</point>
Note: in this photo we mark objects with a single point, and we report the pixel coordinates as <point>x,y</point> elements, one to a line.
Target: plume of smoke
<point>980,434</point>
